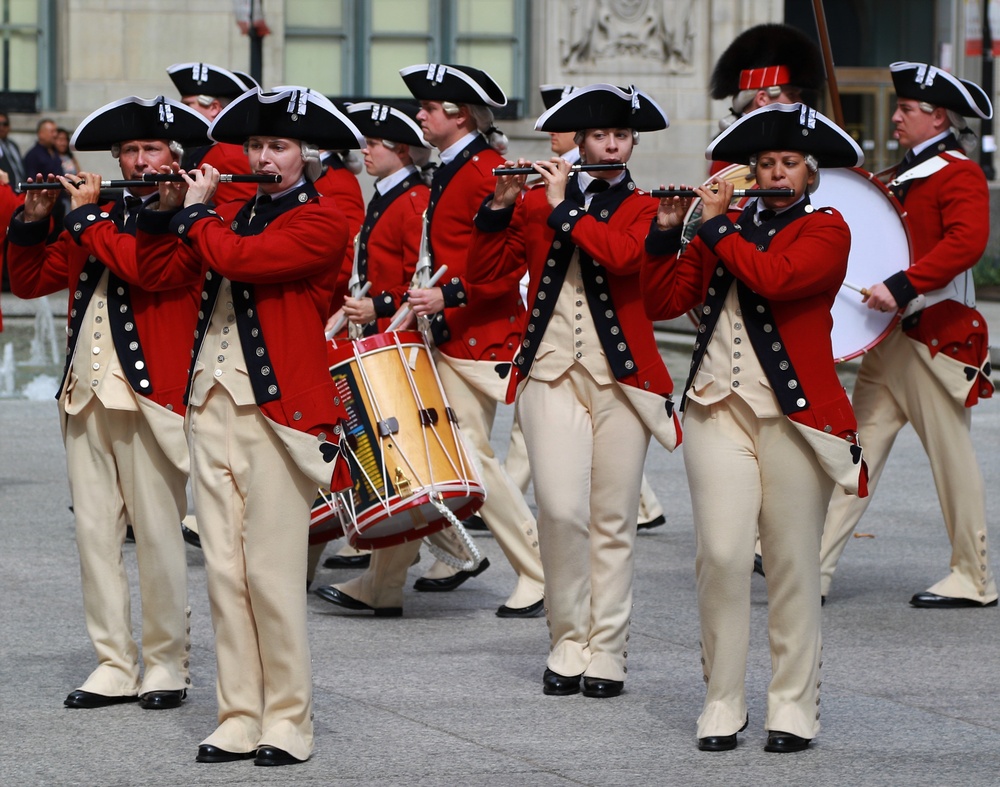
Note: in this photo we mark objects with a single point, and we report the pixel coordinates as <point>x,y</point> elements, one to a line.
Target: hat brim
<point>294,113</point>
<point>786,127</point>
<point>603,106</point>
<point>384,121</point>
<point>140,118</point>
<point>458,84</point>
<point>195,79</point>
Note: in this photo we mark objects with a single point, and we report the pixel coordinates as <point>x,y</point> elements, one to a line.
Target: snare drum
<point>880,247</point>
<point>408,461</point>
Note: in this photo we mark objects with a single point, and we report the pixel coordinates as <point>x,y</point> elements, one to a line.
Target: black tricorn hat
<point>458,84</point>
<point>140,118</point>
<point>765,56</point>
<point>382,121</point>
<point>553,94</point>
<point>204,79</point>
<point>786,127</point>
<point>292,112</point>
<point>247,80</point>
<point>603,106</point>
<point>923,82</point>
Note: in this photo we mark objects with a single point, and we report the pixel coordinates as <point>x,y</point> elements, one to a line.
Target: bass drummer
<point>934,366</point>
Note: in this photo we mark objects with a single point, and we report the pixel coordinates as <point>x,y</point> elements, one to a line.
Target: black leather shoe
<point>476,523</point>
<point>348,561</point>
<point>208,753</point>
<point>272,755</point>
<point>785,742</point>
<point>530,611</point>
<point>190,537</point>
<point>721,742</point>
<point>445,584</point>
<point>559,685</point>
<point>601,688</point>
<point>162,700</point>
<point>927,600</point>
<point>87,699</point>
<point>654,522</point>
<point>758,565</point>
<point>129,534</point>
<point>341,599</point>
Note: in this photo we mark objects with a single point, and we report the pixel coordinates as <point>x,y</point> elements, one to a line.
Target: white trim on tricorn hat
<point>140,118</point>
<point>553,94</point>
<point>293,112</point>
<point>205,79</point>
<point>924,82</point>
<point>382,121</point>
<point>786,127</point>
<point>458,84</point>
<point>604,106</point>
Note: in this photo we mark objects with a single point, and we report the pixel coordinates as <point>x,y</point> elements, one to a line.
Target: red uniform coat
<point>481,321</point>
<point>341,185</point>
<point>615,242</point>
<point>9,202</point>
<point>283,279</point>
<point>793,284</point>
<point>162,318</point>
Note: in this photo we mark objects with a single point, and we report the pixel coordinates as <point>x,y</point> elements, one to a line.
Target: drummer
<point>934,366</point>
<point>262,416</point>
<point>767,421</point>
<point>591,386</point>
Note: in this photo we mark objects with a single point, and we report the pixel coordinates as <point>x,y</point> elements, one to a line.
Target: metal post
<point>988,142</point>
<point>256,47</point>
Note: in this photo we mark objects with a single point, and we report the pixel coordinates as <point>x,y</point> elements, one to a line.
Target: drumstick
<point>863,290</point>
<point>404,311</point>
<point>342,320</point>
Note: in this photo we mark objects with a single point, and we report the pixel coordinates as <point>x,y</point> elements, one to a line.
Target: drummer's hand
<point>715,203</point>
<point>83,188</point>
<point>555,176</point>
<point>359,311</point>
<point>509,186</point>
<point>171,194</point>
<point>880,299</point>
<point>410,323</point>
<point>38,204</point>
<point>426,302</point>
<point>334,319</point>
<point>672,210</point>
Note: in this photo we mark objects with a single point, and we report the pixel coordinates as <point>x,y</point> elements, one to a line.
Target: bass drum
<point>880,247</point>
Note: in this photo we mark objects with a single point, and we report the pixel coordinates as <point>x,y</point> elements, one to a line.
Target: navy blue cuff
<point>186,217</point>
<point>489,220</point>
<point>27,233</point>
<point>384,305</point>
<point>714,230</point>
<point>454,293</point>
<point>565,215</point>
<point>661,243</point>
<point>155,222</point>
<point>83,218</point>
<point>899,285</point>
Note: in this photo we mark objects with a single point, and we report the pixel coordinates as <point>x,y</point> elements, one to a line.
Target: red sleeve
<point>619,250</point>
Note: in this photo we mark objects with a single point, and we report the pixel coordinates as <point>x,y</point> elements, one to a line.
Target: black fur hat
<point>781,52</point>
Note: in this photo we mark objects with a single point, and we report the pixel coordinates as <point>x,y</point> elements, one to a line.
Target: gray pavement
<point>451,695</point>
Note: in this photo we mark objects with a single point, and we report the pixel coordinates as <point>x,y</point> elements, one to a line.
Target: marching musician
<point>934,366</point>
<point>767,423</point>
<point>208,89</point>
<point>475,327</point>
<point>591,386</point>
<point>121,399</point>
<point>263,421</point>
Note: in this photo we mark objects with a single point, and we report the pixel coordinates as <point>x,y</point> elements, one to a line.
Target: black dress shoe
<point>785,742</point>
<point>207,753</point>
<point>927,600</point>
<point>450,583</point>
<point>88,699</point>
<point>476,523</point>
<point>162,700</point>
<point>190,537</point>
<point>559,685</point>
<point>530,611</point>
<point>341,599</point>
<point>348,561</point>
<point>654,522</point>
<point>720,742</point>
<point>602,688</point>
<point>758,565</point>
<point>129,534</point>
<point>272,755</point>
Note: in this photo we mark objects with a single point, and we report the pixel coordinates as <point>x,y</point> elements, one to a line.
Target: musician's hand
<point>38,204</point>
<point>410,323</point>
<point>359,311</point>
<point>4,178</point>
<point>509,186</point>
<point>555,175</point>
<point>202,184</point>
<point>880,299</point>
<point>171,194</point>
<point>426,302</point>
<point>84,188</point>
<point>715,203</point>
<point>672,210</point>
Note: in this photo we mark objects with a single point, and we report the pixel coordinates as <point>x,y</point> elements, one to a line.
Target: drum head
<point>880,247</point>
